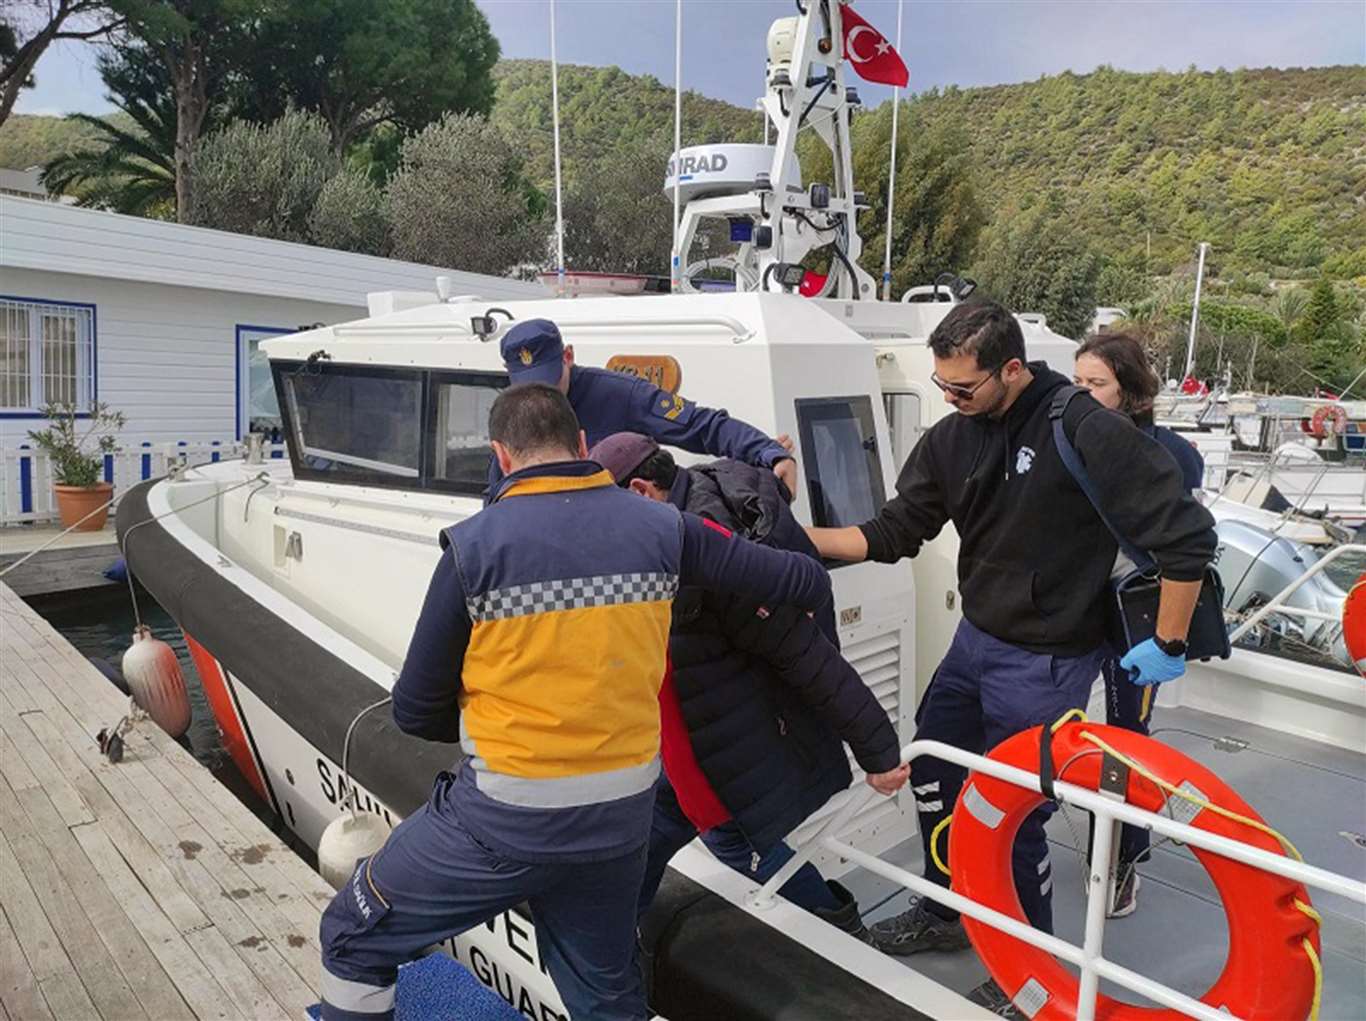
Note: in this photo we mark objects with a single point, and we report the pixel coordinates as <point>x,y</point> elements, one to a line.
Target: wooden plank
<point>74,811</point>
<point>248,996</point>
<point>193,980</point>
<point>220,903</point>
<point>149,982</point>
<point>300,892</point>
<point>297,944</point>
<point>12,672</point>
<point>98,973</point>
<point>142,858</point>
<point>46,957</point>
<point>248,828</point>
<point>12,764</point>
<point>19,990</point>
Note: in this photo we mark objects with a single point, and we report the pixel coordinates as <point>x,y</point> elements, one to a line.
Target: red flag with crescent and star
<point>873,57</point>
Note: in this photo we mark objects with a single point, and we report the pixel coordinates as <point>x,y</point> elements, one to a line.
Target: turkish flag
<point>873,57</point>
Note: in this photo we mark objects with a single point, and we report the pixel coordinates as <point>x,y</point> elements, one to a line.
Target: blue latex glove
<point>1148,664</point>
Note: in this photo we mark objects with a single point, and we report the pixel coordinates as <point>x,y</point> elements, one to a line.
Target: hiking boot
<point>1124,897</point>
<point>994,998</point>
<point>918,928</point>
<point>846,917</point>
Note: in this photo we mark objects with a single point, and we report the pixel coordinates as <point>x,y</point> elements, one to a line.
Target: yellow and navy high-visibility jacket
<point>541,647</point>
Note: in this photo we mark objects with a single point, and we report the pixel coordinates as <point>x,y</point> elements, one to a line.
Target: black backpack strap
<point>1046,763</point>
<point>1056,410</point>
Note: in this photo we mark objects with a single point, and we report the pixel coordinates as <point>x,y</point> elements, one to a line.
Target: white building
<point>161,321</point>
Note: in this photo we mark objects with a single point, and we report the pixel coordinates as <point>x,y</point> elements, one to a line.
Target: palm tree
<point>129,169</point>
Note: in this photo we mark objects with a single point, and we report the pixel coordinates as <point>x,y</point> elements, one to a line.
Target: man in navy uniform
<point>610,402</point>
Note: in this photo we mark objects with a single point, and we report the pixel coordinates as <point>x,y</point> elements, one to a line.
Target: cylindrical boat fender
<point>345,841</point>
<point>156,683</point>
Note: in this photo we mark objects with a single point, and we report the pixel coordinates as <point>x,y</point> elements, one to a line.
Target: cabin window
<point>258,408</point>
<point>350,424</point>
<point>903,423</point>
<point>47,354</point>
<point>460,448</point>
<point>839,451</point>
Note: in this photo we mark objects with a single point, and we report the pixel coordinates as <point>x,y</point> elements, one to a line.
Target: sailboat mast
<point>1195,314</point>
<point>559,193</point>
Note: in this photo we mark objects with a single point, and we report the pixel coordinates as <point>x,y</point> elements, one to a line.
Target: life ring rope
<point>1204,804</point>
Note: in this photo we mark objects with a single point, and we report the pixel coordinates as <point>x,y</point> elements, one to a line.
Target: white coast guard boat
<point>297,583</point>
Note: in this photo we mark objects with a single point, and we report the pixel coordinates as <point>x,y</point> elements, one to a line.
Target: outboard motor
<point>1256,564</point>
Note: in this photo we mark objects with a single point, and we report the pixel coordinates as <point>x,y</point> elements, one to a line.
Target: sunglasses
<point>963,393</point>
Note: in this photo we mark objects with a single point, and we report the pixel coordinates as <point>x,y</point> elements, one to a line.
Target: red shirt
<point>695,796</point>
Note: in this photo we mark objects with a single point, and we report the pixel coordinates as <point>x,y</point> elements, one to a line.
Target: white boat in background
<point>298,584</point>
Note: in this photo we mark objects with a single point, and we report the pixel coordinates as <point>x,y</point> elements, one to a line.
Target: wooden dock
<point>142,889</point>
<point>74,562</point>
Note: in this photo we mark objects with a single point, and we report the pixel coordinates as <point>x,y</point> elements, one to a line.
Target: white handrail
<point>1108,812</point>
<point>1277,603</point>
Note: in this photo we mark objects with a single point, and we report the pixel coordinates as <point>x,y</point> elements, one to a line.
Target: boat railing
<point>1109,813</point>
<point>1279,604</point>
<point>1266,465</point>
<point>26,474</point>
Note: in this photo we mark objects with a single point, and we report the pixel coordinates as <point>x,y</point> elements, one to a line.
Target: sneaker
<point>994,998</point>
<point>918,928</point>
<point>846,917</point>
<point>1124,899</point>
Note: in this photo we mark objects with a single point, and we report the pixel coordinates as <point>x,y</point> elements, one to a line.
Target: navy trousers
<point>671,831</point>
<point>984,691</point>
<point>433,879</point>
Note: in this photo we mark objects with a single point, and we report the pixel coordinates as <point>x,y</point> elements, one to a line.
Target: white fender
<point>156,683</point>
<point>353,836</point>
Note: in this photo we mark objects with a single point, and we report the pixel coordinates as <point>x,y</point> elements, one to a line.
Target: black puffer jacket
<point>764,692</point>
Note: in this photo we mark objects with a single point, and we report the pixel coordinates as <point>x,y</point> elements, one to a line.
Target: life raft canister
<point>1268,975</point>
<point>1354,624</point>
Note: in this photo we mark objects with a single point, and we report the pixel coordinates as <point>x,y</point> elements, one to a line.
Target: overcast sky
<point>968,42</point>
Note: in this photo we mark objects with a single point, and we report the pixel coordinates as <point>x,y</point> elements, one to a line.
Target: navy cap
<point>622,453</point>
<point>533,352</point>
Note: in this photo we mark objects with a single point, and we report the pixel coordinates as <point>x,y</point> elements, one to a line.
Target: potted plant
<point>77,458</point>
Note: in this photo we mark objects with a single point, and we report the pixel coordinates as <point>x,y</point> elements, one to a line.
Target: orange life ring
<point>1268,975</point>
<point>1318,425</point>
<point>1354,624</point>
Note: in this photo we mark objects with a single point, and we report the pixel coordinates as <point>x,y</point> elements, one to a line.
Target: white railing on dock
<point>1089,957</point>
<point>26,493</point>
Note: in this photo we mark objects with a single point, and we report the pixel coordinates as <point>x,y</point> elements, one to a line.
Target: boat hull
<point>284,700</point>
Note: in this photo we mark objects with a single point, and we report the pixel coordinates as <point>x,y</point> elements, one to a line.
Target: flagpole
<point>559,195</point>
<point>676,272</point>
<point>891,173</point>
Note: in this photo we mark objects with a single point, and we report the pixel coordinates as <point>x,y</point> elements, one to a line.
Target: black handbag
<point>1133,610</point>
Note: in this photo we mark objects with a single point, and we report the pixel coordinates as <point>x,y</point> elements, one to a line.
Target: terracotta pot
<point>75,502</point>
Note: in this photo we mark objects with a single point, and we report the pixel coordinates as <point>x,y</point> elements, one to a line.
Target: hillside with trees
<point>1057,195</point>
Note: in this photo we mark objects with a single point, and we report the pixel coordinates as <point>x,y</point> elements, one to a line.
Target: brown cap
<point>622,453</point>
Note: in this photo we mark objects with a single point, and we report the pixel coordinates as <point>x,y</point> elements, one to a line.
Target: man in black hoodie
<point>1033,570</point>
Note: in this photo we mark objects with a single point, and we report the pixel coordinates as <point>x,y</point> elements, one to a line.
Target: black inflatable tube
<point>709,960</point>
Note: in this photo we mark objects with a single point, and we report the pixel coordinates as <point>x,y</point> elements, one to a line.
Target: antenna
<point>891,174</point>
<point>675,282</point>
<point>559,195</point>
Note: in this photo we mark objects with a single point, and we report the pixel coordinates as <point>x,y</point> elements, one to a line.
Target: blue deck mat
<point>437,987</point>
